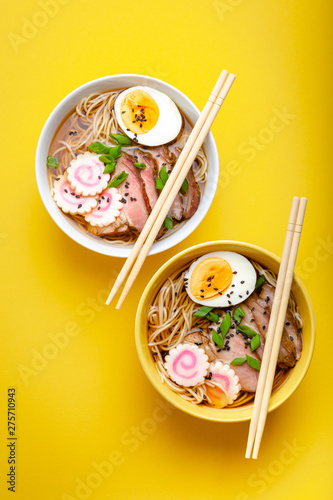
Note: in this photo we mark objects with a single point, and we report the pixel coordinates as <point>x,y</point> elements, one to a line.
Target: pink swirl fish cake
<point>85,175</point>
<point>227,385</point>
<point>68,200</point>
<point>187,364</point>
<point>107,209</point>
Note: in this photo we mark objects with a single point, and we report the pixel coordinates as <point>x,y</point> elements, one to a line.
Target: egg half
<point>220,279</point>
<point>147,116</point>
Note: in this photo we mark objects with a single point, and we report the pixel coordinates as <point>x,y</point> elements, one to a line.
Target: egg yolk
<point>210,278</point>
<point>139,111</point>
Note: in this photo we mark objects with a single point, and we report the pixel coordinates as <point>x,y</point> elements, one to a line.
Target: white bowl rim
<point>63,222</point>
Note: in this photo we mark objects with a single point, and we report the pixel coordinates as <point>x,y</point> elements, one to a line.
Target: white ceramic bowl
<point>72,229</point>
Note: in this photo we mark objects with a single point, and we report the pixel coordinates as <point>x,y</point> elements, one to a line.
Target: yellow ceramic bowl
<point>268,260</point>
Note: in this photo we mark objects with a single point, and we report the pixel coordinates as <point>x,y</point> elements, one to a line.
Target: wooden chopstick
<point>274,334</point>
<point>167,188</point>
<point>270,332</point>
<point>175,187</point>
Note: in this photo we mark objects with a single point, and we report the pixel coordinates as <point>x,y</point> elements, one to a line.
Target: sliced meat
<point>259,311</point>
<point>192,196</point>
<point>291,341</point>
<point>164,157</point>
<point>248,320</point>
<point>110,230</point>
<point>148,175</point>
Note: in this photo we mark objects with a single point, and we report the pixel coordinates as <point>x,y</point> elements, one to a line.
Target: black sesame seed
<point>220,293</point>
<point>219,315</point>
<point>265,312</point>
<point>202,296</point>
<point>58,179</point>
<point>99,177</point>
<point>73,194</point>
<point>252,319</point>
<point>65,190</point>
<point>169,171</point>
<point>291,338</point>
<point>123,112</point>
<point>216,289</point>
<point>235,272</point>
<point>174,310</point>
<point>247,292</point>
<point>242,282</point>
<point>232,285</point>
<point>202,291</point>
<point>108,200</point>
<point>218,350</point>
<point>287,323</point>
<point>228,295</point>
<point>253,308</point>
<point>232,335</point>
<point>131,198</point>
<point>126,194</point>
<point>209,285</point>
<point>79,206</point>
<point>228,348</point>
<point>229,302</point>
<point>240,296</point>
<point>267,299</point>
<point>299,330</point>
<point>264,327</point>
<point>98,208</point>
<point>99,201</point>
<point>231,292</point>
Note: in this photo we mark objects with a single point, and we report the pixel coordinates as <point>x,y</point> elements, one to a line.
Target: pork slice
<point>293,334</point>
<point>259,312</point>
<point>148,175</point>
<point>287,353</point>
<point>164,157</point>
<point>110,230</point>
<point>249,320</point>
<point>135,209</point>
<point>192,196</point>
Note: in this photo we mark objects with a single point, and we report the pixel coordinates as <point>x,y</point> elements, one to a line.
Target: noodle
<point>170,320</point>
<point>94,119</point>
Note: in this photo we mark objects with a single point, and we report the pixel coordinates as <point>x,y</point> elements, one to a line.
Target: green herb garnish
<point>114,153</point>
<point>109,167</point>
<point>212,317</point>
<point>225,325</point>
<point>247,330</point>
<point>168,222</point>
<point>141,166</point>
<point>121,139</point>
<point>99,148</point>
<point>217,339</point>
<point>184,186</point>
<point>260,281</point>
<point>118,180</point>
<point>253,362</point>
<point>202,312</point>
<point>51,161</point>
<point>164,175</point>
<point>255,342</point>
<point>238,314</point>
<point>104,159</point>
<point>159,184</point>
<point>238,361</point>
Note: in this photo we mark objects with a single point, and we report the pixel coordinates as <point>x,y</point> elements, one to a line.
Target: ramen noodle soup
<point>111,157</point>
<point>207,328</point>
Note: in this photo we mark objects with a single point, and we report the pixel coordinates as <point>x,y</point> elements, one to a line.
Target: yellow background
<point>82,406</point>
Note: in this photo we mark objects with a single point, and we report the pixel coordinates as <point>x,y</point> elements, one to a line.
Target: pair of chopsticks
<point>147,236</point>
<point>275,327</point>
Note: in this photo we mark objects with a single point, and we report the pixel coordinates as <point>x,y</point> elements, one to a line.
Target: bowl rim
<point>62,221</point>
<point>168,394</point>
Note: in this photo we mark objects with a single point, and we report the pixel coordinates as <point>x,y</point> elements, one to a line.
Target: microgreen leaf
<point>121,139</point>
<point>238,361</point>
<point>202,312</point>
<point>212,317</point>
<point>118,180</point>
<point>217,339</point>
<point>51,161</point>
<point>255,342</point>
<point>247,330</point>
<point>238,314</point>
<point>99,148</point>
<point>164,175</point>
<point>184,186</point>
<point>141,166</point>
<point>159,184</point>
<point>168,222</point>
<point>260,281</point>
<point>109,168</point>
<point>253,362</point>
<point>225,325</point>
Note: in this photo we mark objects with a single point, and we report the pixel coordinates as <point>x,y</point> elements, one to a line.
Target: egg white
<point>168,125</point>
<point>241,291</point>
